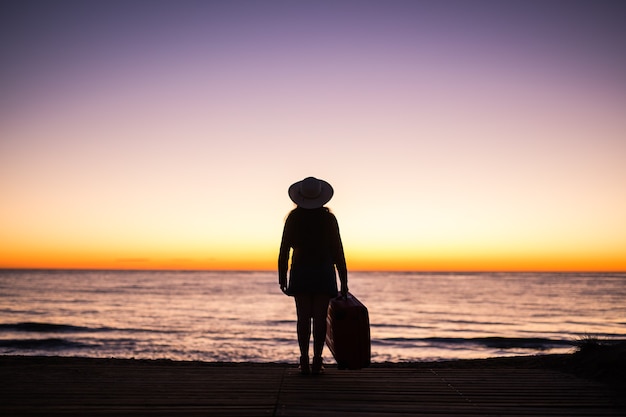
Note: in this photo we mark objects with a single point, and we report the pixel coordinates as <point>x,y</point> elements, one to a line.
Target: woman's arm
<point>339,258</point>
<point>283,256</point>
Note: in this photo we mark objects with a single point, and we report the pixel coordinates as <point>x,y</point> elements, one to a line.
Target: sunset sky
<point>458,135</point>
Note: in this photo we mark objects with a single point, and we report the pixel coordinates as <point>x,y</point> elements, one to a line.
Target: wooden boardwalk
<point>64,386</point>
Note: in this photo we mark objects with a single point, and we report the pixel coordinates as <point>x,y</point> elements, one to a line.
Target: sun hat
<point>310,193</point>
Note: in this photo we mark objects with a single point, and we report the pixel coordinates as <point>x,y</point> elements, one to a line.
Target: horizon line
<point>421,271</point>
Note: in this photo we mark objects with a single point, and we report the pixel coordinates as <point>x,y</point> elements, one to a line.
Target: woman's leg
<point>304,311</point>
<point>320,311</point>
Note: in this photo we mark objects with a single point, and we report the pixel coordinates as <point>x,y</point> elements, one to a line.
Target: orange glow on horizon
<point>356,262</point>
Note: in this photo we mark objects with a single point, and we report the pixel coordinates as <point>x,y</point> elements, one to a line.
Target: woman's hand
<point>344,290</point>
<point>282,281</point>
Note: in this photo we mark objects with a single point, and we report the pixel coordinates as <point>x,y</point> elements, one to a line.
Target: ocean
<point>244,317</point>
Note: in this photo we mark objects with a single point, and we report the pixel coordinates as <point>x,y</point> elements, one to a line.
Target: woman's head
<point>311,193</point>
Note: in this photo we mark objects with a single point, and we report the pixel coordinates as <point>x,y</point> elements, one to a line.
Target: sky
<point>458,135</point>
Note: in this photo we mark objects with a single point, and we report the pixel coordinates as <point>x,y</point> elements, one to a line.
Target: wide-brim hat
<point>311,193</point>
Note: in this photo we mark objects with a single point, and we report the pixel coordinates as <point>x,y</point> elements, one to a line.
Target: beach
<point>556,385</point>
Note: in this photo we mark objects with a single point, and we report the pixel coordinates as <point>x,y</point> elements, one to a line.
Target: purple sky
<point>451,130</point>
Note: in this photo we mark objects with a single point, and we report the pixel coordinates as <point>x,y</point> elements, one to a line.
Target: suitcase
<point>348,332</point>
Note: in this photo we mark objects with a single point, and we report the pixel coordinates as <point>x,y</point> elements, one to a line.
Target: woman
<point>311,230</point>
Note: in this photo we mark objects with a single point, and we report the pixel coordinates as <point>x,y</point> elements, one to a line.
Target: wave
<point>43,344</point>
<point>449,321</point>
<point>535,343</point>
<point>400,326</point>
<point>36,327</point>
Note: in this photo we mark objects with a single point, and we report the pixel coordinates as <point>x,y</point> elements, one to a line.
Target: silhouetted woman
<point>311,230</point>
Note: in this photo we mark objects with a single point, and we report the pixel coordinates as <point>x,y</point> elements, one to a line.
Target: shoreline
<point>533,361</point>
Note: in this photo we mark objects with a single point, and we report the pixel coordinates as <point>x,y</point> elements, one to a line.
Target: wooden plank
<point>75,386</point>
<point>80,387</point>
<point>379,392</point>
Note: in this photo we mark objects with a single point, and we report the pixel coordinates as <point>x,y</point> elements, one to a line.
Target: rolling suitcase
<point>348,332</point>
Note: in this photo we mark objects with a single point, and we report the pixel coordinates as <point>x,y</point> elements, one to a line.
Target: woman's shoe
<point>304,365</point>
<point>318,367</point>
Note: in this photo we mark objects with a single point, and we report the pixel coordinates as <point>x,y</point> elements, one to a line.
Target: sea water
<point>243,316</point>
